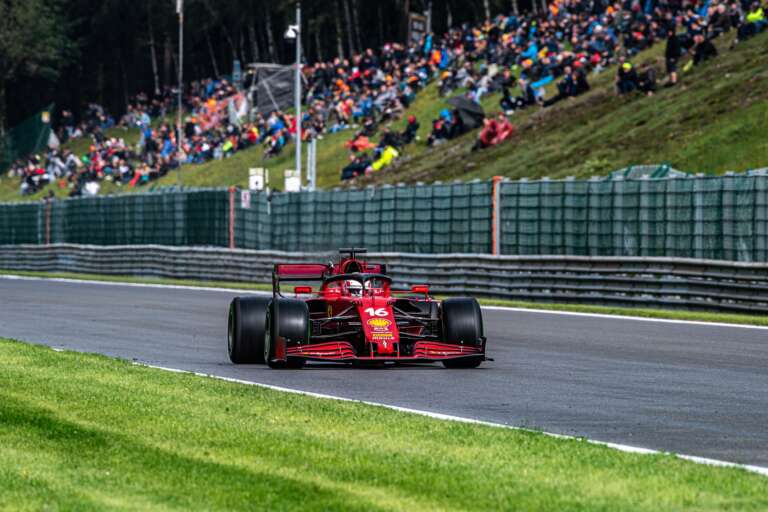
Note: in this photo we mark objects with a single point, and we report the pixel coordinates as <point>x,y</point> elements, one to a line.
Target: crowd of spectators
<point>94,118</point>
<point>570,40</point>
<point>106,158</point>
<point>390,146</point>
<point>447,126</point>
<point>575,38</point>
<point>370,90</point>
<point>214,128</point>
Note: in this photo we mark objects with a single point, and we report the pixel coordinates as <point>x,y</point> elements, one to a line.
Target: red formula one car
<point>348,313</point>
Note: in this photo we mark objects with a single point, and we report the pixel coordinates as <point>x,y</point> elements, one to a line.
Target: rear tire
<point>293,317</point>
<point>247,327</point>
<point>462,323</point>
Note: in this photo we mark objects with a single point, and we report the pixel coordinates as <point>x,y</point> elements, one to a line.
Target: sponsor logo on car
<point>379,323</point>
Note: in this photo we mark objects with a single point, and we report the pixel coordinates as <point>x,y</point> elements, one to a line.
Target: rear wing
<point>301,271</point>
<point>297,272</point>
<point>316,271</point>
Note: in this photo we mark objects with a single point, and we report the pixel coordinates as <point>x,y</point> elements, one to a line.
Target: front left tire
<point>293,326</point>
<point>247,329</point>
<point>462,322</point>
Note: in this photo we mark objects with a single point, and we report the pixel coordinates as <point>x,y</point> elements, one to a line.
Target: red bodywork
<point>356,316</point>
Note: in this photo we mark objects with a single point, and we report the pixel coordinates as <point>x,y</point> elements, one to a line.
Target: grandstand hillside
<point>713,122</point>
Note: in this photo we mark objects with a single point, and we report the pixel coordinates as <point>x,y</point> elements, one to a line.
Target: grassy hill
<point>714,121</point>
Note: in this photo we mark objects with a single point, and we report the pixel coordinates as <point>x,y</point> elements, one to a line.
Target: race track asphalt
<point>692,389</point>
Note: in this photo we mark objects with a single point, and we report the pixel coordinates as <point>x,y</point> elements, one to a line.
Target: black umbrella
<point>471,113</point>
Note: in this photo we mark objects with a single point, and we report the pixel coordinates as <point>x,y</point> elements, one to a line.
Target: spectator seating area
<point>516,56</point>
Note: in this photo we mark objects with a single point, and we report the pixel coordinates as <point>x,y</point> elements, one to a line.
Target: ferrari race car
<point>348,312</point>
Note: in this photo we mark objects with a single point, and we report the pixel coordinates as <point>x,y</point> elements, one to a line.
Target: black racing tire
<point>247,329</point>
<point>459,364</point>
<point>293,319</point>
<point>462,322</point>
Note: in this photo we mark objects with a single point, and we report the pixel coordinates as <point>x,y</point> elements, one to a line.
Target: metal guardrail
<point>615,281</point>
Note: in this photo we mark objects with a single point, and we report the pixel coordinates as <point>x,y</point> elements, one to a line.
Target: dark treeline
<point>73,52</point>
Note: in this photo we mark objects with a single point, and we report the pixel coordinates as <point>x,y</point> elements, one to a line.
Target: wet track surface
<point>693,389</point>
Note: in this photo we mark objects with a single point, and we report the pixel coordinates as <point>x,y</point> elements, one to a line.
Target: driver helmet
<point>355,288</point>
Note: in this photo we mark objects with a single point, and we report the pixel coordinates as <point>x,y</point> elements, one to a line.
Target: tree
<point>32,44</point>
<point>131,46</point>
<point>350,28</point>
<point>152,52</point>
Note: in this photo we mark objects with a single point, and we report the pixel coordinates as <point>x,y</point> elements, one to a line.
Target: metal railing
<point>615,281</point>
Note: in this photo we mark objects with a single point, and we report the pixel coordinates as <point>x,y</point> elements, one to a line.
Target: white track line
<point>489,308</point>
<point>447,417</point>
<point>622,317</point>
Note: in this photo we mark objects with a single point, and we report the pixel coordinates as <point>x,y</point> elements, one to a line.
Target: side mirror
<point>420,289</point>
<point>299,290</point>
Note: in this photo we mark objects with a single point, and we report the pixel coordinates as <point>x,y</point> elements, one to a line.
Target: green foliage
<point>117,39</point>
<point>33,43</point>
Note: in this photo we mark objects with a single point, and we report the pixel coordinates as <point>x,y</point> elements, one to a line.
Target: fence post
<point>698,217</point>
<point>618,222</point>
<point>231,217</point>
<point>48,204</point>
<point>495,217</point>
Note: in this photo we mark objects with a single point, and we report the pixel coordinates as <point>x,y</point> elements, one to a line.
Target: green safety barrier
<point>703,217</point>
<point>198,217</point>
<point>426,219</point>
<point>722,218</point>
<point>22,223</point>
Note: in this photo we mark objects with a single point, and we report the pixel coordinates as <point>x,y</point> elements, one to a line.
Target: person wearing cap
<point>409,133</point>
<point>626,78</point>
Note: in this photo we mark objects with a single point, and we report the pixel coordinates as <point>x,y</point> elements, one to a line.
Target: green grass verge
<point>699,316</point>
<point>86,432</point>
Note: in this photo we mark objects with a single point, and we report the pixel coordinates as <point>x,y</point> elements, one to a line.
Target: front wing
<point>425,351</point>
